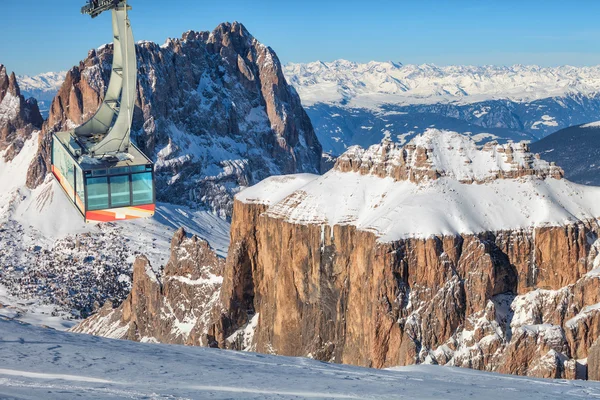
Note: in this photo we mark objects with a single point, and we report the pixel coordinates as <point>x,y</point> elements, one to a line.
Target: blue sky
<point>43,35</point>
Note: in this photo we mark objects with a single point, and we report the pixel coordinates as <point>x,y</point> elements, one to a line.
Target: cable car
<point>104,175</point>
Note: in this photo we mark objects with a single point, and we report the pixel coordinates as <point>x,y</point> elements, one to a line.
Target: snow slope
<point>395,209</point>
<point>41,363</point>
<point>54,267</point>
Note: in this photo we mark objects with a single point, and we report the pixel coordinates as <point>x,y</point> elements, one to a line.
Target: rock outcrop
<point>594,361</point>
<point>426,158</point>
<point>173,307</point>
<point>213,110</point>
<point>18,117</point>
<point>469,300</point>
<point>348,284</point>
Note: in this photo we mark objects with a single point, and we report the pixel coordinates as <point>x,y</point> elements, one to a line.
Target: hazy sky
<point>44,35</point>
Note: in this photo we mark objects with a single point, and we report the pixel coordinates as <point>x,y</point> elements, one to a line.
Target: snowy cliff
<point>439,252</point>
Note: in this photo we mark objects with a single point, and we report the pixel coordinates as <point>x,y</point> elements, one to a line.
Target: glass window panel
<point>119,191</point>
<point>97,193</point>
<point>142,188</point>
<point>79,200</point>
<point>138,168</point>
<point>66,167</point>
<point>99,172</point>
<point>119,171</point>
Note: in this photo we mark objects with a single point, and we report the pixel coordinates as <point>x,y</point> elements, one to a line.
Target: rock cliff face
<point>303,281</point>
<point>514,302</point>
<point>172,308</point>
<point>213,110</point>
<point>594,361</point>
<point>18,117</point>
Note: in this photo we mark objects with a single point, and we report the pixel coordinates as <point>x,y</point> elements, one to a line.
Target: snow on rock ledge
<point>437,154</point>
<point>439,184</point>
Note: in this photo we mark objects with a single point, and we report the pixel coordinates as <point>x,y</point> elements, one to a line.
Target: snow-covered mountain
<point>213,111</point>
<point>437,252</point>
<point>19,116</point>
<point>40,363</point>
<point>351,103</point>
<point>376,83</point>
<point>577,150</point>
<point>42,87</point>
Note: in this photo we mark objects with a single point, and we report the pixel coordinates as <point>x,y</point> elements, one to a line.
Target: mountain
<point>42,87</point>
<point>215,114</point>
<point>437,252</point>
<point>174,306</point>
<point>213,110</point>
<point>577,150</point>
<point>351,103</point>
<point>18,117</point>
<point>41,363</point>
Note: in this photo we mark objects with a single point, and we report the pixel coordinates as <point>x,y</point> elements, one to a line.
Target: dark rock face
<point>517,302</point>
<point>213,110</point>
<point>173,308</point>
<point>18,117</point>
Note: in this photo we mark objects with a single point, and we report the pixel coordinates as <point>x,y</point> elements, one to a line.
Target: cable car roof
<point>133,158</point>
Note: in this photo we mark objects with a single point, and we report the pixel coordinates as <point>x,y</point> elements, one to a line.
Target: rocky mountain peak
<point>3,81</point>
<point>18,117</point>
<point>173,307</point>
<point>13,85</point>
<point>213,111</point>
<point>437,154</point>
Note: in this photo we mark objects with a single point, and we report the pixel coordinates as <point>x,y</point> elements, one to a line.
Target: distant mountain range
<point>351,103</point>
<point>42,87</point>
<point>577,150</point>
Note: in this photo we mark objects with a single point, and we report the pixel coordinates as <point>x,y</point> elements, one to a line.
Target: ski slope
<point>38,363</point>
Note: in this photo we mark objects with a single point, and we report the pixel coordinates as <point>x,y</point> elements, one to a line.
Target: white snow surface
<point>592,125</point>
<point>401,209</point>
<point>42,363</point>
<point>372,84</point>
<point>45,82</point>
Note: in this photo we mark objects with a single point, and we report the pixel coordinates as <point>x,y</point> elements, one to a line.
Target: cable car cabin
<point>104,190</point>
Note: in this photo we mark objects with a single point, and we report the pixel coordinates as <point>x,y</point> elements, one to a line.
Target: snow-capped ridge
<point>437,154</point>
<point>48,81</point>
<point>490,189</point>
<point>375,83</point>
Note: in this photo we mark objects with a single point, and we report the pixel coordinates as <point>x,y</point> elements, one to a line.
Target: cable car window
<point>97,193</point>
<point>65,167</point>
<point>119,191</point>
<point>80,194</point>
<point>143,192</point>
<point>119,171</point>
<point>138,168</point>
